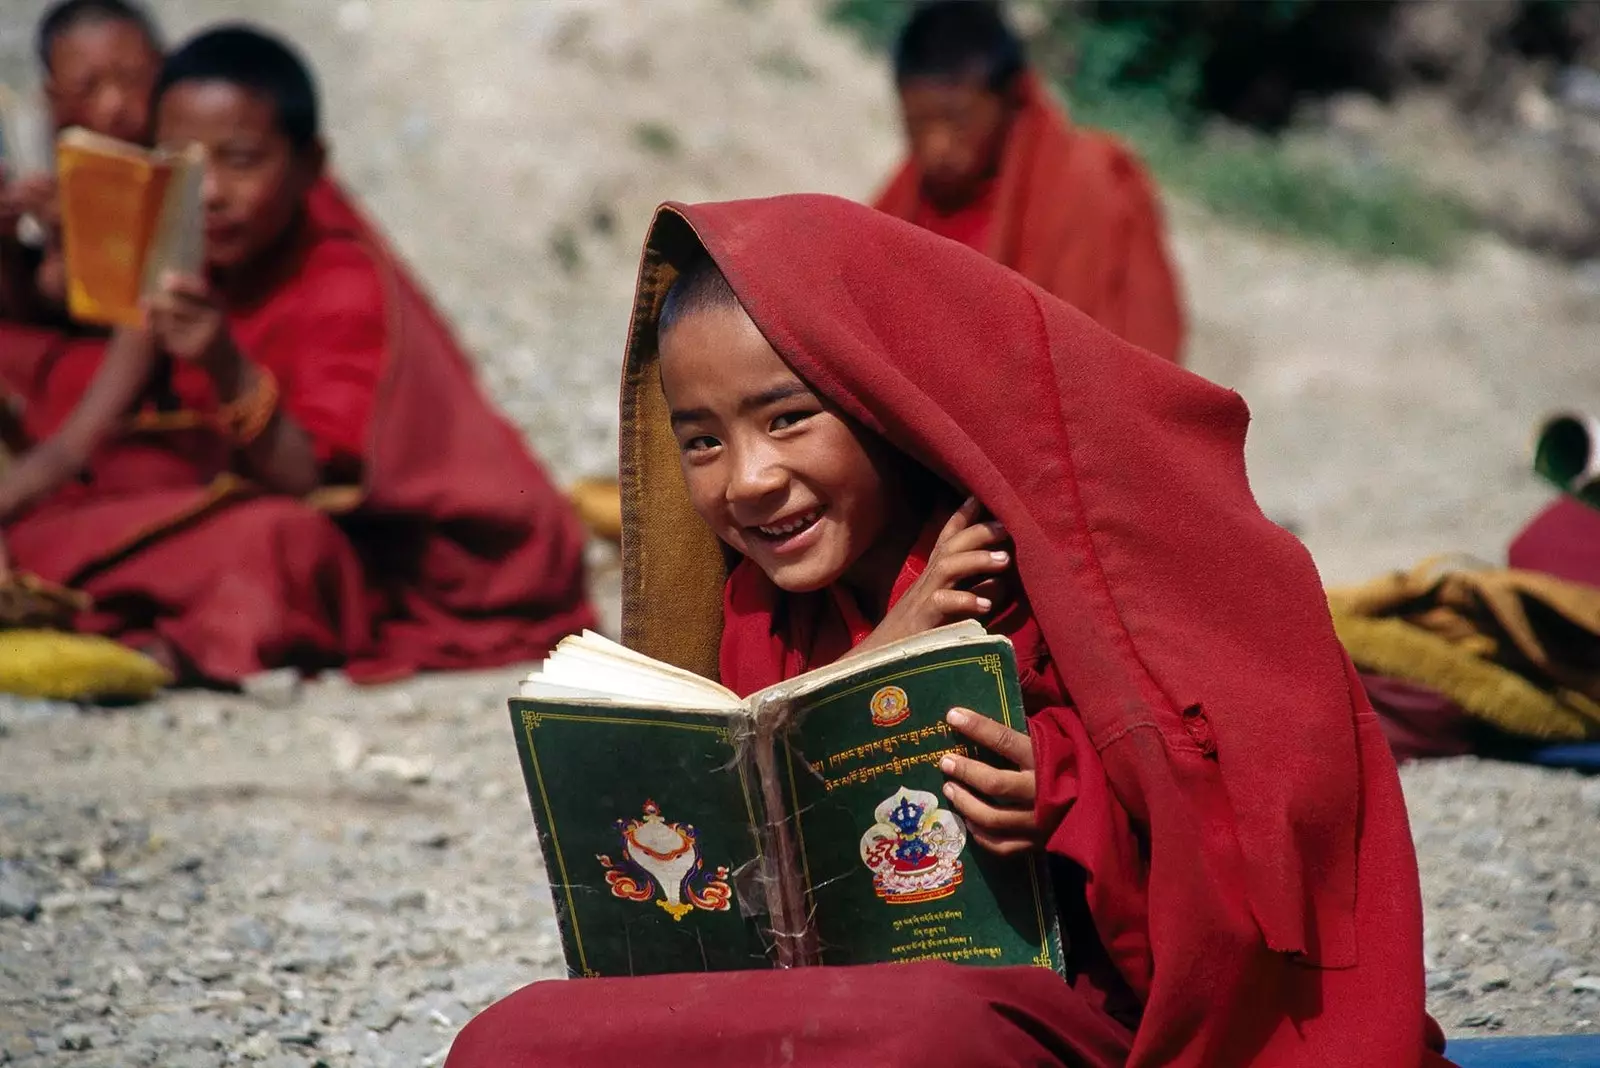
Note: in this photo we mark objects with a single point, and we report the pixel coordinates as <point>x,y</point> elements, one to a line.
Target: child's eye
<point>701,443</point>
<point>789,419</point>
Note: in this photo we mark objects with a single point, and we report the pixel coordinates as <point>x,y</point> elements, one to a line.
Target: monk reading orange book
<point>290,463</point>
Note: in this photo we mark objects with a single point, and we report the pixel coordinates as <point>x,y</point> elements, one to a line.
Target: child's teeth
<point>789,528</point>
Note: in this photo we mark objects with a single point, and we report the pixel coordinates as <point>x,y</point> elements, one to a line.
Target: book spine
<point>794,935</point>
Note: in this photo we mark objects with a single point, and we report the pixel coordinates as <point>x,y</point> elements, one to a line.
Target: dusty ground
<point>344,875</point>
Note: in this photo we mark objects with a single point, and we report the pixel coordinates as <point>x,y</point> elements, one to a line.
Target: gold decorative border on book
<point>533,719</point>
<point>991,663</point>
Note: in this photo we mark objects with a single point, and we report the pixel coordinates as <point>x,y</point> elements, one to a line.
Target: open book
<point>685,829</point>
<point>128,214</point>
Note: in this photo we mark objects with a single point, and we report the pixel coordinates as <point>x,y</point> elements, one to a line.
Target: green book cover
<point>684,828</point>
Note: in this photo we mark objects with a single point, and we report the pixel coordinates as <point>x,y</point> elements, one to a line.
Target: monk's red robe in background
<point>1563,540</point>
<point>1234,866</point>
<point>460,553</point>
<point>1072,211</point>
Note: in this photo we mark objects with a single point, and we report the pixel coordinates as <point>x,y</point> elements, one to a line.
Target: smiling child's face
<point>776,472</point>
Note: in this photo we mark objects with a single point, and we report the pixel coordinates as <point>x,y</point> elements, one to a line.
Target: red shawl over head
<point>1075,213</point>
<point>1192,633</point>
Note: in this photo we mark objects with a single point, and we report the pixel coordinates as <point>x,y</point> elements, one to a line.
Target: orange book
<point>128,214</point>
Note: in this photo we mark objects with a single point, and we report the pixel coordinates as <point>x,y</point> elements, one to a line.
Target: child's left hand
<point>188,321</point>
<point>1001,819</point>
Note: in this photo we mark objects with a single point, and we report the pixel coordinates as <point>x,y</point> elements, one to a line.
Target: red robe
<point>460,554</point>
<point>1073,211</point>
<point>1206,758</point>
<point>1563,540</point>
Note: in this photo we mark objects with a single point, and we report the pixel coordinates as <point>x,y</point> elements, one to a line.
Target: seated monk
<point>804,475</point>
<point>100,60</point>
<point>995,165</point>
<point>182,464</point>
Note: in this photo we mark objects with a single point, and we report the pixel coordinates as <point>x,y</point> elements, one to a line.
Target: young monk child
<point>100,59</point>
<point>303,374</point>
<point>995,165</point>
<point>839,429</point>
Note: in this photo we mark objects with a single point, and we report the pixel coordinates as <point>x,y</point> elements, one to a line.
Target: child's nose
<point>753,478</point>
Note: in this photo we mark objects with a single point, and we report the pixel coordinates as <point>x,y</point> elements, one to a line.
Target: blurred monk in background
<point>996,165</point>
<point>100,59</point>
<point>290,464</point>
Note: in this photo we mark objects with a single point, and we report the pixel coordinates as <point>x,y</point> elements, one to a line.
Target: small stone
<point>209,971</point>
<point>19,894</point>
<point>95,1005</point>
<point>1540,965</point>
<point>391,901</point>
<point>1490,977</point>
<point>247,934</point>
<point>1587,984</point>
<point>435,838</point>
<point>422,945</point>
<point>258,1047</point>
<point>318,958</point>
<point>1440,981</point>
<point>169,912</point>
<point>274,689</point>
<point>1589,796</point>
<point>1482,1019</point>
<point>258,986</point>
<point>411,770</point>
<point>75,1037</point>
<point>283,1060</point>
<point>67,900</point>
<point>190,862</point>
<point>63,852</point>
<point>379,1014</point>
<point>181,1029</point>
<point>348,751</point>
<point>300,1035</point>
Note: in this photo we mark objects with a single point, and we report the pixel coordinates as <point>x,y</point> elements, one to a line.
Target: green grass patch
<point>1368,210</point>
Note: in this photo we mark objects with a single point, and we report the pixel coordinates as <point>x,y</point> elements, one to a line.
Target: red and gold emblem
<point>890,706</point>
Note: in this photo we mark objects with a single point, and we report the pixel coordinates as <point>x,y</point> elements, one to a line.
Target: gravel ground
<point>337,875</point>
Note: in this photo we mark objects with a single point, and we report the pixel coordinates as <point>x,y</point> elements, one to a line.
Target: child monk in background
<point>812,391</point>
<point>100,59</point>
<point>304,374</point>
<point>995,165</point>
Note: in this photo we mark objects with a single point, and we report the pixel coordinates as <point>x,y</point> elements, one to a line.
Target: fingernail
<point>1000,556</point>
<point>984,604</point>
<point>956,717</point>
<point>948,765</point>
<point>950,790</point>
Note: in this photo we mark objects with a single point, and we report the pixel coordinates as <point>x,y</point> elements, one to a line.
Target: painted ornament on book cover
<point>914,850</point>
<point>661,861</point>
<point>890,707</point>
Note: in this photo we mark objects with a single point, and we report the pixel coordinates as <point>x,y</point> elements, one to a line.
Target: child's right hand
<point>961,581</point>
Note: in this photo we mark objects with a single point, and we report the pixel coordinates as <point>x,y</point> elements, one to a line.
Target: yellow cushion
<point>598,503</point>
<point>75,667</point>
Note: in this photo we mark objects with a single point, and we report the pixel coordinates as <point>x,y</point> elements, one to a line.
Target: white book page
<point>179,242</point>
<point>593,667</point>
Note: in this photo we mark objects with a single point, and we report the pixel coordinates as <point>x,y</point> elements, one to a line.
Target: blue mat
<point>1541,1051</point>
<point>1581,756</point>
